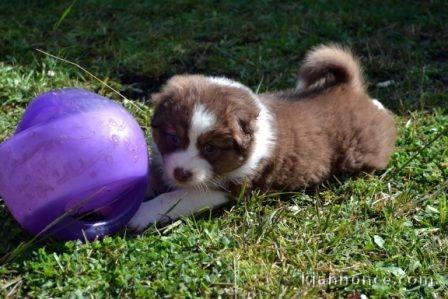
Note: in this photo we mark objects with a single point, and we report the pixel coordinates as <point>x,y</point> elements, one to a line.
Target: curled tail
<point>328,66</point>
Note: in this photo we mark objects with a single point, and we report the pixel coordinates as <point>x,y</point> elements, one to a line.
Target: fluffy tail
<point>328,66</point>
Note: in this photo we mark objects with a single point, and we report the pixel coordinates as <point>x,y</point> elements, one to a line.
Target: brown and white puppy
<point>213,135</point>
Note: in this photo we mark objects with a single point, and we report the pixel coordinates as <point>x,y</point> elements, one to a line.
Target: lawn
<point>380,235</point>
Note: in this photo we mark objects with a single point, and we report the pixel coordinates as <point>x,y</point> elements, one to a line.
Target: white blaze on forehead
<point>201,122</point>
<point>190,159</point>
<point>377,104</point>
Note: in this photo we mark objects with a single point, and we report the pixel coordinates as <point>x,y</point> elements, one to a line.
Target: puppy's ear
<point>247,117</point>
<point>246,124</point>
<point>246,121</point>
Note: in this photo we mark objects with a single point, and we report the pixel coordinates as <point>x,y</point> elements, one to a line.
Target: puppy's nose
<point>182,175</point>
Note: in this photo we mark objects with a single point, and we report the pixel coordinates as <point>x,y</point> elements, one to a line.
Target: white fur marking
<point>223,81</point>
<point>201,121</point>
<point>190,159</point>
<point>377,104</point>
<point>300,86</point>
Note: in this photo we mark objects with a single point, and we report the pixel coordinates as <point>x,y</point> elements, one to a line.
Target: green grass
<point>390,227</point>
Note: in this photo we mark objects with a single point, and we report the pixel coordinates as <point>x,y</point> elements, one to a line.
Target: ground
<point>378,235</point>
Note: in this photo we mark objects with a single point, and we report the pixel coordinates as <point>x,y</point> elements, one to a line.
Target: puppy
<point>212,136</point>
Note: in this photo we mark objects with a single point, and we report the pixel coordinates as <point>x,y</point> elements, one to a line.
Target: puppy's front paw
<point>138,223</point>
<point>142,218</point>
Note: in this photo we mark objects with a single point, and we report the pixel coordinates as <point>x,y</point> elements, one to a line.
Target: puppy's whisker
<point>205,186</point>
<point>217,183</point>
<point>198,187</point>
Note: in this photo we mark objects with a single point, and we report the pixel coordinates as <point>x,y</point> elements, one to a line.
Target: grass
<point>389,229</point>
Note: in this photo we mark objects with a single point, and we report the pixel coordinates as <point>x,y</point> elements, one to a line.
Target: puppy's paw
<point>142,219</point>
<point>138,223</point>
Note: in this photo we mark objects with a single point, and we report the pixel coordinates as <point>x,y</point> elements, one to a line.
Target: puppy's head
<point>203,128</point>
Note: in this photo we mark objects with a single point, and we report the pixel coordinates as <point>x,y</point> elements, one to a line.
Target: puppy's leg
<point>175,204</point>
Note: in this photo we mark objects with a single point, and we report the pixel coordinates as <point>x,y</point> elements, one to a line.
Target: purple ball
<point>76,166</point>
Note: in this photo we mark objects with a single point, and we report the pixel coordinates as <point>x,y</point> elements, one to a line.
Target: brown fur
<point>233,107</point>
<point>327,125</point>
<point>337,131</point>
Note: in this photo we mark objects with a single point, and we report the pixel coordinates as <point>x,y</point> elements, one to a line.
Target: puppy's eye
<point>173,139</point>
<point>229,142</point>
<point>209,149</point>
